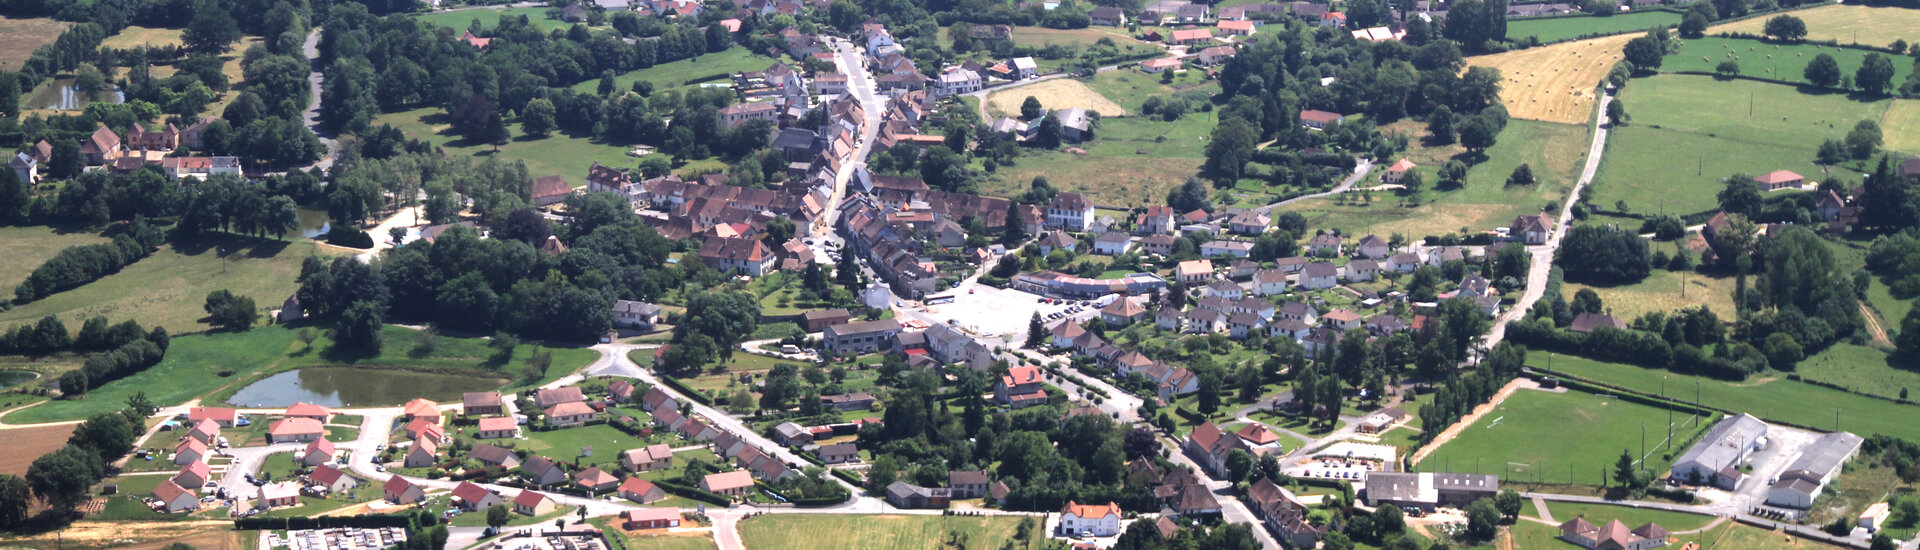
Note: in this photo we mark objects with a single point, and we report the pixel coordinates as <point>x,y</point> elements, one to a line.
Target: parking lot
<point>992,311</point>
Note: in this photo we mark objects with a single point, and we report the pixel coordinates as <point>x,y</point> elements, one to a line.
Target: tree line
<point>79,265</point>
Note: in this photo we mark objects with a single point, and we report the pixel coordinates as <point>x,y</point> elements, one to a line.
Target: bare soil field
<point>1554,83</point>
<point>1849,24</point>
<point>19,36</point>
<point>1059,93</point>
<point>26,444</point>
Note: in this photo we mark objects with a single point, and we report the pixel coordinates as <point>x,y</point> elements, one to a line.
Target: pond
<point>353,387</point>
<point>313,223</point>
<point>13,377</point>
<point>59,94</point>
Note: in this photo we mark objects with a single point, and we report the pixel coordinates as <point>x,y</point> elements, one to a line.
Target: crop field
<point>19,36</point>
<point>1549,29</point>
<point>1059,93</point>
<point>170,287</point>
<point>1682,123</point>
<point>1765,60</point>
<point>1848,24</point>
<point>1901,125</point>
<point>143,36</point>
<point>1554,83</point>
<point>714,67</point>
<point>1555,153</point>
<point>1488,446</point>
<point>891,532</point>
<point>1771,397</point>
<point>1665,291</point>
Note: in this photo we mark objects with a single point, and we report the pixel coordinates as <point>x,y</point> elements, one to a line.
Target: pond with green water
<point>357,387</point>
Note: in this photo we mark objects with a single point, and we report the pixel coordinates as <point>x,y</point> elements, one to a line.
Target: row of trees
<point>79,265</point>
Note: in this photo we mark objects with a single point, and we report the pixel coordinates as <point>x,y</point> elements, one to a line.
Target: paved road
<point>312,115</point>
<point>860,84</point>
<point>1231,509</point>
<point>1360,171</point>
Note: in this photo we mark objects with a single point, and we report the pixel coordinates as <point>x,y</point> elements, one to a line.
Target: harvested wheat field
<point>1849,24</point>
<point>27,444</point>
<point>19,36</point>
<point>1059,93</point>
<point>1554,83</point>
<point>1902,125</point>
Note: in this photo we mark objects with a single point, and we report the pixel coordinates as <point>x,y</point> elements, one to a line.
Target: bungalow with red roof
<point>421,408</point>
<point>533,503</point>
<point>497,427</point>
<point>400,491</point>
<point>320,451</point>
<point>596,480</point>
<point>474,498</point>
<point>553,396</point>
<point>569,414</point>
<point>734,483</point>
<point>1320,120</point>
<point>194,474</point>
<point>420,426</point>
<point>1235,28</point>
<point>308,410</point>
<point>1190,36</point>
<point>481,403</point>
<point>1780,179</point>
<point>206,431</point>
<point>189,450</point>
<point>332,479</point>
<point>645,459</point>
<point>1098,520</point>
<point>650,518</point>
<point>225,417</point>
<point>1155,66</point>
<point>295,430</point>
<point>279,495</point>
<point>1397,171</point>
<point>174,498</point>
<point>641,491</point>
<point>1020,387</point>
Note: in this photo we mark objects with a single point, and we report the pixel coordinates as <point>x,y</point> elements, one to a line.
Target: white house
<point>958,81</point>
<point>1099,520</point>
<point>1070,211</point>
<point>1023,67</point>
<point>1319,275</point>
<point>1268,282</point>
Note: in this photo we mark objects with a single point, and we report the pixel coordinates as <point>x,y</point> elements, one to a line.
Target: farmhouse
<point>1613,536</point>
<point>1808,475</point>
<point>1779,179</point>
<point>1716,458</point>
<point>1428,490</point>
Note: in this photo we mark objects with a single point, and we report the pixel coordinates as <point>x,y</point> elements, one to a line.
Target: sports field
<point>1904,115</point>
<point>1554,83</point>
<point>1587,432</point>
<point>1764,60</point>
<point>1849,24</point>
<point>19,36</point>
<point>1770,397</point>
<point>1549,29</point>
<point>1690,132</point>
<point>1059,93</point>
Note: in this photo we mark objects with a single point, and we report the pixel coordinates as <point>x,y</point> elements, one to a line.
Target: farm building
<point>1427,490</point>
<point>1717,457</point>
<point>1808,475</point>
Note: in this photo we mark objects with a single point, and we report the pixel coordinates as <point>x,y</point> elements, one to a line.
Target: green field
<point>1664,291</point>
<point>564,445</point>
<point>30,246</point>
<point>1552,29</point>
<point>1771,397</point>
<point>1600,514</point>
<point>1493,444</point>
<point>217,364</point>
<point>844,532</point>
<point>1555,153</point>
<point>169,287</point>
<point>1131,88</point>
<point>1681,123</point>
<point>459,20</point>
<point>712,67</point>
<point>1773,61</point>
<point>557,153</point>
<point>1861,369</point>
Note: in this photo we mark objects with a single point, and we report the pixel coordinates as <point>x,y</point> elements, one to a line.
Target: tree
<point>211,30</point>
<point>1875,74</point>
<point>1617,113</point>
<point>1907,342</point>
<point>1478,133</point>
<point>62,478</point>
<point>66,161</point>
<point>141,405</point>
<point>1728,68</point>
<point>1785,28</point>
<point>1483,519</point>
<point>108,435</point>
<point>358,329</point>
<point>1030,108</point>
<point>15,195</point>
<point>1603,254</point>
<point>1645,53</point>
<point>230,312</point>
<point>1512,260</point>
<point>1823,71</point>
<point>16,499</point>
<point>537,119</point>
<point>1522,175</point>
<point>1036,332</point>
<point>1626,474</point>
<point>1864,139</point>
<point>1209,394</point>
<point>1189,196</point>
<point>1049,134</point>
<point>1229,150</point>
<point>1740,195</point>
<point>1440,125</point>
<point>1509,503</point>
<point>1694,25</point>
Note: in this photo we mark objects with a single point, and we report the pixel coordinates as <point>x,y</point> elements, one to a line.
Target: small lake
<point>11,377</point>
<point>59,94</point>
<point>351,387</point>
<point>314,223</point>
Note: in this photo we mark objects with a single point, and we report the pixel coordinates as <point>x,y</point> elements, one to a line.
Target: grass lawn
<point>1847,24</point>
<point>459,20</point>
<point>1767,60</point>
<point>19,36</point>
<point>342,434</point>
<point>278,466</point>
<point>1128,181</point>
<point>479,519</point>
<point>136,35</point>
<point>1681,118</point>
<point>30,246</point>
<point>1903,113</point>
<point>844,532</point>
<point>1663,291</point>
<point>311,506</point>
<point>1600,514</point>
<point>1555,153</point>
<point>1549,29</point>
<point>1488,446</point>
<point>1892,310</point>
<point>558,153</point>
<point>712,67</point>
<point>610,527</point>
<point>1768,397</point>
<point>564,445</point>
<point>1152,137</point>
<point>126,506</point>
<point>1130,89</point>
<point>1859,368</point>
<point>170,287</point>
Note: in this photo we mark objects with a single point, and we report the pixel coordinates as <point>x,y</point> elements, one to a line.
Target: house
<point>1122,312</point>
<point>1157,220</point>
<point>569,414</point>
<point>573,13</point>
<point>221,416</point>
<point>1158,244</point>
<point>1779,179</point>
<point>1325,245</point>
<point>494,456</point>
<point>1225,290</point>
<point>640,491</point>
<point>25,167</point>
<point>1108,16</point>
<point>1613,536</point>
<point>1380,420</point>
<point>595,480</point>
<point>1320,120</point>
<point>422,453</point>
<point>533,503</point>
<point>1056,240</point>
<point>1238,27</point>
<point>1532,228</point>
<point>791,434</point>
<point>901,494</point>
<point>1362,270</point>
<point>1319,275</point>
<point>174,498</point>
<point>332,479</point>
<point>1808,475</point>
<point>1208,446</point>
<point>1257,435</point>
<point>1112,243</point>
<point>400,491</point>
<point>319,451</point>
<point>740,113</point>
<point>1080,519</point>
<point>422,428</point>
<point>421,408</point>
<point>1189,37</point>
<point>620,391</point>
<point>859,338</point>
<point>1342,320</point>
<point>1249,223</point>
<point>295,430</point>
<point>1070,211</point>
<point>189,450</point>
<point>1157,66</point>
<point>815,321</point>
<point>697,430</point>
<point>745,255</point>
<point>474,498</point>
<point>1874,517</point>
<point>1372,246</point>
<point>1717,456</point>
<point>206,431</point>
<point>541,471</point>
<point>550,190</point>
<point>957,81</point>
<point>839,453</point>
<point>655,399</point>
<point>1428,490</point>
<point>1023,67</point>
<point>1587,322</point>
<point>1269,282</point>
<point>1226,249</point>
<point>734,483</point>
<point>194,474</point>
<point>1397,171</point>
<point>830,84</point>
<point>481,403</point>
<point>967,483</point>
<point>1194,271</point>
<point>498,427</point>
<point>856,401</point>
<point>1216,55</point>
<point>650,518</point>
<point>646,459</point>
<point>635,314</point>
<point>1020,387</point>
<point>100,146</point>
<point>1242,325</point>
<point>1386,324</point>
<point>1404,262</point>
